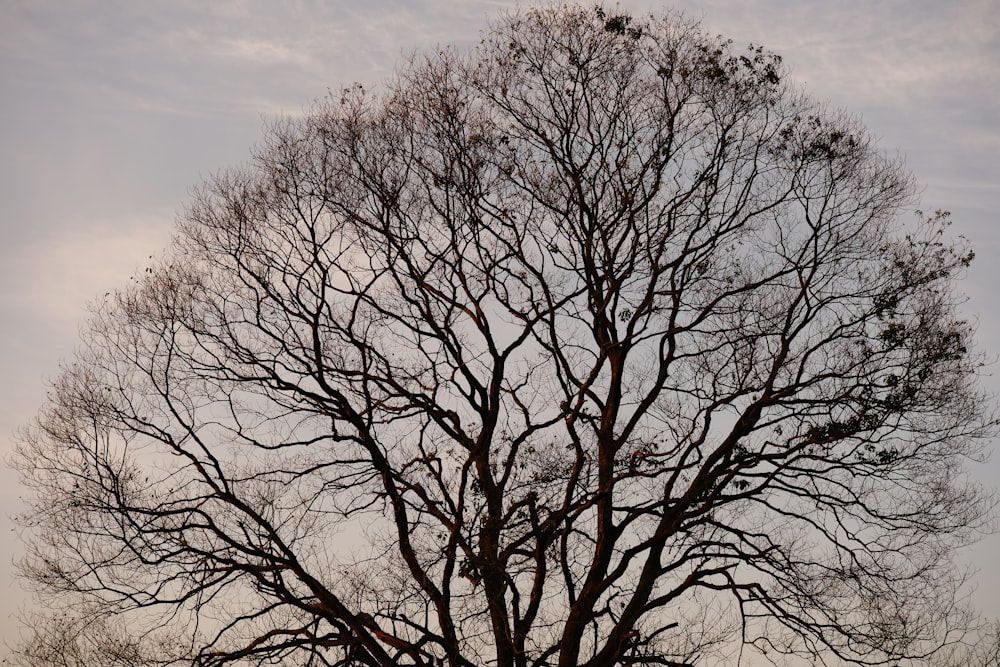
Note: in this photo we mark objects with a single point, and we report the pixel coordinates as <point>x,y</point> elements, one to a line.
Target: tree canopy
<point>600,344</point>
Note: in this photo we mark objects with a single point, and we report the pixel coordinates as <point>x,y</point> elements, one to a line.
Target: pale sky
<point>112,110</point>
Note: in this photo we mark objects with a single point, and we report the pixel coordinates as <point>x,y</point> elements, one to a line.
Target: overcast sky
<point>111,111</point>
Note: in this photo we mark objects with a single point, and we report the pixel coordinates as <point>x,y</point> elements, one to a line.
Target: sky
<point>112,111</point>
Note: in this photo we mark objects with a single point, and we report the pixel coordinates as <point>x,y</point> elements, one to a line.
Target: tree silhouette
<point>598,345</point>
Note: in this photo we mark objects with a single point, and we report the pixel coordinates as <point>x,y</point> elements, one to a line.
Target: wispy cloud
<point>263,52</point>
<point>51,280</point>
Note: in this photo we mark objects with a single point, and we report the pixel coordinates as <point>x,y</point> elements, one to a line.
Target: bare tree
<point>598,345</point>
<point>980,649</point>
<point>79,639</point>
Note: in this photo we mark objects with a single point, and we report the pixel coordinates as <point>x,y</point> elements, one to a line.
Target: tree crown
<point>600,344</point>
